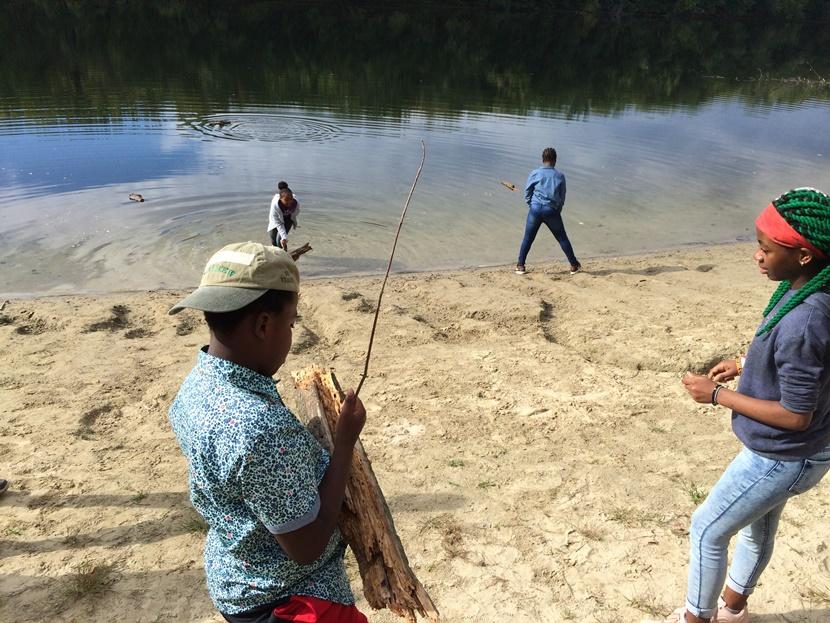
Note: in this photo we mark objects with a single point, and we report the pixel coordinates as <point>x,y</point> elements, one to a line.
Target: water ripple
<point>270,127</point>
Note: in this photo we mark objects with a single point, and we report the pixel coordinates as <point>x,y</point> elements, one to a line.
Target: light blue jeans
<point>749,497</point>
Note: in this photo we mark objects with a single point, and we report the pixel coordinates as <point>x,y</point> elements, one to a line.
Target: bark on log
<point>296,253</point>
<point>365,521</point>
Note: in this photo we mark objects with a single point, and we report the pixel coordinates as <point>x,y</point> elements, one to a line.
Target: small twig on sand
<point>388,268</point>
<point>296,253</point>
<point>3,305</point>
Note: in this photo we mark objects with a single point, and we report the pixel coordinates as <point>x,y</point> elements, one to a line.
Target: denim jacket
<point>545,189</point>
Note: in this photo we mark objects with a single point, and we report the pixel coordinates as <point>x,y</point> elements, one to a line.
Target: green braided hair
<point>807,210</point>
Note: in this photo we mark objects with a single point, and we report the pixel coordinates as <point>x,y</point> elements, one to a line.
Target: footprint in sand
<point>186,326</point>
<point>88,419</point>
<point>305,339</point>
<point>30,326</point>
<point>35,327</point>
<point>363,306</point>
<point>117,321</point>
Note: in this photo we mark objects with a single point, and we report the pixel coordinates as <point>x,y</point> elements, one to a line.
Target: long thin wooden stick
<point>389,267</point>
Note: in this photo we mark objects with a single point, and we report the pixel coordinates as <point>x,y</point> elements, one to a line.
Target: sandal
<point>725,615</point>
<point>721,615</point>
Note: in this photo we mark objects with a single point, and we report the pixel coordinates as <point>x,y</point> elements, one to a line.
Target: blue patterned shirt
<point>254,471</point>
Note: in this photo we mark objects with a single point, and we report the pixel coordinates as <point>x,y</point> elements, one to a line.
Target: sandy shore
<point>531,435</point>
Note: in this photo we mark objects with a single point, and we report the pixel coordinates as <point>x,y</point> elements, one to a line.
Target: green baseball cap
<point>239,274</point>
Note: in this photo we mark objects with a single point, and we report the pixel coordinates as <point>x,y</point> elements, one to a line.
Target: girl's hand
<point>700,388</point>
<point>284,244</point>
<point>724,371</point>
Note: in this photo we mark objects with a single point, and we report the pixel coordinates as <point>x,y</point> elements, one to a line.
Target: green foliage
<point>107,60</point>
<point>695,493</point>
<point>88,578</point>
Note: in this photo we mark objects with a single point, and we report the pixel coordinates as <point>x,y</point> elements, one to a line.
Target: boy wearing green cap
<point>271,495</point>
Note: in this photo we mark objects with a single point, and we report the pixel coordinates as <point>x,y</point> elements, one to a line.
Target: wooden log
<point>365,521</point>
<point>296,253</point>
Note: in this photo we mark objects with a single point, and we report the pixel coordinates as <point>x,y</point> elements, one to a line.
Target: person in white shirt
<point>283,215</point>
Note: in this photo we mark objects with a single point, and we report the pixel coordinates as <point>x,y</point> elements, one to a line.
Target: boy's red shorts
<point>302,609</point>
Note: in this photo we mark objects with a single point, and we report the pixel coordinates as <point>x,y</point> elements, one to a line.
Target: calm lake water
<point>670,133</point>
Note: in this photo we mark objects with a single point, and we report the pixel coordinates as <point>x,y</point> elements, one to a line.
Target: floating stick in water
<point>508,185</point>
<point>388,268</point>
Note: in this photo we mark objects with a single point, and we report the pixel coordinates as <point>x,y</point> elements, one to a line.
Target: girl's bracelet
<point>715,393</point>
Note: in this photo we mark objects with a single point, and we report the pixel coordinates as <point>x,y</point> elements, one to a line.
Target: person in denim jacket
<point>545,197</point>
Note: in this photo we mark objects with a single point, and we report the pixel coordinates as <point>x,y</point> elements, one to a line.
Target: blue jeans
<point>553,219</point>
<point>749,497</point>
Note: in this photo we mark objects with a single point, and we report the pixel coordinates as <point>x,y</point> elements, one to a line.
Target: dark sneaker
<point>520,269</point>
<point>575,268</point>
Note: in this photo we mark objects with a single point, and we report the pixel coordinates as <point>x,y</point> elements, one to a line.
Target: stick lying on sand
<point>365,521</point>
<point>296,253</point>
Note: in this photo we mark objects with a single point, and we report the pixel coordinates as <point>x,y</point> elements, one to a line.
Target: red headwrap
<point>781,232</point>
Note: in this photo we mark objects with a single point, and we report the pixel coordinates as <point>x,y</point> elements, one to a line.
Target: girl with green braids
<point>780,411</point>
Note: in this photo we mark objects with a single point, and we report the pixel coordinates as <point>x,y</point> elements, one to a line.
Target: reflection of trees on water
<point>131,58</point>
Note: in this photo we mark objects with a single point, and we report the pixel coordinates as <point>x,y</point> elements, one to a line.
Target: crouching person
<point>270,494</point>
